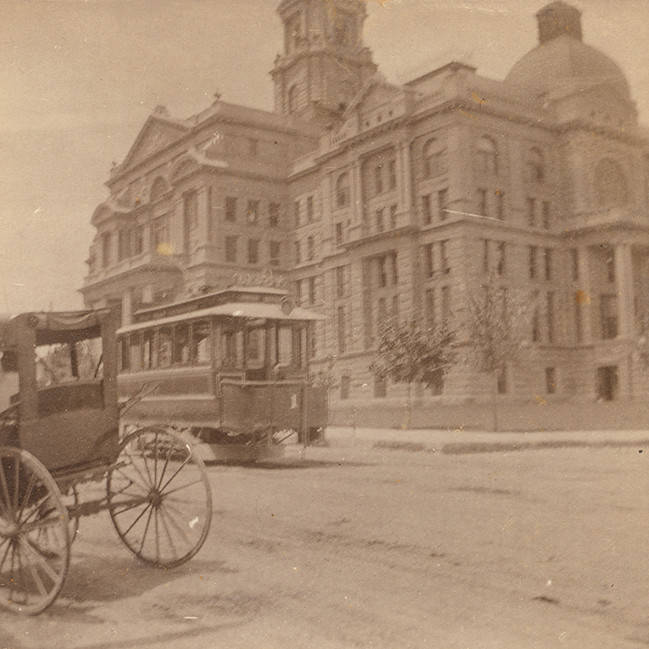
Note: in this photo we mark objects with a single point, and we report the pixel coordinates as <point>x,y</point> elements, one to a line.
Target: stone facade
<point>371,200</point>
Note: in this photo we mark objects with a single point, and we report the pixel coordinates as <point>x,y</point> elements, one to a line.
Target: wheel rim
<point>34,536</point>
<point>159,498</point>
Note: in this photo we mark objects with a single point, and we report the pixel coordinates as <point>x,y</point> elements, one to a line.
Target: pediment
<point>375,93</point>
<point>155,135</point>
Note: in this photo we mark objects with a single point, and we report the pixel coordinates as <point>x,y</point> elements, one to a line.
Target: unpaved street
<point>381,549</point>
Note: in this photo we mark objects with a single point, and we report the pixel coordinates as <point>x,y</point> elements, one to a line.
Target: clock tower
<point>324,62</point>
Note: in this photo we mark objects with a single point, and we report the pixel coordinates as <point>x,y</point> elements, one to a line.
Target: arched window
<point>292,98</point>
<point>342,190</point>
<point>158,188</point>
<point>535,166</point>
<point>610,184</point>
<point>486,155</point>
<point>434,158</point>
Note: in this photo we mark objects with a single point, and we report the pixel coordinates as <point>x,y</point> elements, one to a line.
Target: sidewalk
<point>459,441</point>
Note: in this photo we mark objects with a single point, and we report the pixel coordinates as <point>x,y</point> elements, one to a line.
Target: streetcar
<point>58,434</point>
<point>227,370</point>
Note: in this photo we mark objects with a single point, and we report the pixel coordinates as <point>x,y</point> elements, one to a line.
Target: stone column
<point>624,286</point>
<point>407,181</point>
<point>583,296</point>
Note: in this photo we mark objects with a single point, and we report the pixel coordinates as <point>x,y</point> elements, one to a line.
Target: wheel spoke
<point>28,495</point>
<point>139,472</point>
<point>37,555</point>
<point>36,509</point>
<point>42,524</point>
<point>175,473</point>
<point>16,485</point>
<point>132,482</point>
<point>157,537</point>
<point>38,581</point>
<point>177,527</point>
<point>146,527</point>
<point>132,525</point>
<point>185,486</point>
<point>164,469</point>
<point>4,556</point>
<point>166,529</point>
<point>155,464</point>
<point>128,508</point>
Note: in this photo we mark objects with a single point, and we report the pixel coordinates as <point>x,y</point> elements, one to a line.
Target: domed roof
<point>565,63</point>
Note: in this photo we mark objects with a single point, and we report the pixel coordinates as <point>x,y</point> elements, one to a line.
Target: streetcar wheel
<point>159,497</point>
<point>34,535</point>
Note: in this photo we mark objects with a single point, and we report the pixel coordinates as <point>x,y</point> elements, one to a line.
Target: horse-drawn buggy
<point>58,435</point>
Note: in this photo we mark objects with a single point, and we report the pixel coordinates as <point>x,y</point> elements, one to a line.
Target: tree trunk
<point>495,402</point>
<point>409,407</point>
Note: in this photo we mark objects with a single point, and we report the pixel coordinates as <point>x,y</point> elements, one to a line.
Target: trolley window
<point>181,345</point>
<point>149,356</point>
<point>164,347</point>
<point>201,342</point>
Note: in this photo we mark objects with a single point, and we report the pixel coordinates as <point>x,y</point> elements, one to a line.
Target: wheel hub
<point>9,530</point>
<point>155,498</point>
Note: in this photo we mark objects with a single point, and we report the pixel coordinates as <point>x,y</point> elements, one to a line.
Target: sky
<point>78,79</point>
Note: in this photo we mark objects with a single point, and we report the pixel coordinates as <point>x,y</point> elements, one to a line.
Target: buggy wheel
<point>159,497</point>
<point>34,535</point>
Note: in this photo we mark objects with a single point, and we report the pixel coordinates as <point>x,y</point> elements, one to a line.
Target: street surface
<point>382,549</point>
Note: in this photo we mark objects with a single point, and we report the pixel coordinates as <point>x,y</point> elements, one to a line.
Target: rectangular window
<point>380,387</point>
<point>339,234</point>
<point>253,211</point>
<point>430,306</point>
<point>310,248</point>
<point>378,179</point>
<point>273,215</point>
<point>393,174</point>
<point>393,216</point>
<point>137,243</point>
<point>550,315</point>
<point>574,264</point>
<point>298,253</point>
<point>381,311</point>
<point>230,208</point>
<point>608,315</point>
<point>443,258</point>
<point>395,268</point>
<point>340,281</point>
<point>532,262</point>
<point>446,303</point>
<point>253,251</point>
<point>442,203</point>
<point>395,306</point>
<point>123,244</point>
<point>149,358</point>
<point>180,345</point>
<point>190,209</point>
<point>550,380</point>
<point>379,220</point>
<point>436,382</point>
<point>610,265</point>
<point>274,250</point>
<point>501,264</point>
<point>312,290</point>
<point>500,205</point>
<point>546,215</point>
<point>482,202</point>
<point>298,291</point>
<point>547,255</point>
<point>160,237</point>
<point>340,319</point>
<point>536,318</point>
<point>426,212</point>
<point>429,260</point>
<point>485,256</point>
<point>345,382</point>
<point>531,212</point>
<point>579,327</point>
<point>296,213</point>
<point>309,209</point>
<point>231,248</point>
<point>501,381</point>
<point>382,272</point>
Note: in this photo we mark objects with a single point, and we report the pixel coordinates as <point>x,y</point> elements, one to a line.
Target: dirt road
<point>381,549</point>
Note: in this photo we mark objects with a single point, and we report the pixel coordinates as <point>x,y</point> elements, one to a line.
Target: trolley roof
<point>245,310</point>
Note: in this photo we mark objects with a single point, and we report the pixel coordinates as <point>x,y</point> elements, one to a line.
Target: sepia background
<point>79,77</point>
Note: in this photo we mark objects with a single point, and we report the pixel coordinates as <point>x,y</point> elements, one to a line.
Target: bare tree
<point>497,329</point>
<point>409,353</point>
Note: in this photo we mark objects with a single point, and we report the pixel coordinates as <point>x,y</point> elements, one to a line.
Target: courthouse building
<point>373,200</point>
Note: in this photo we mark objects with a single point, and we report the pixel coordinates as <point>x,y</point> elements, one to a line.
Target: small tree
<point>497,330</point>
<point>410,353</point>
